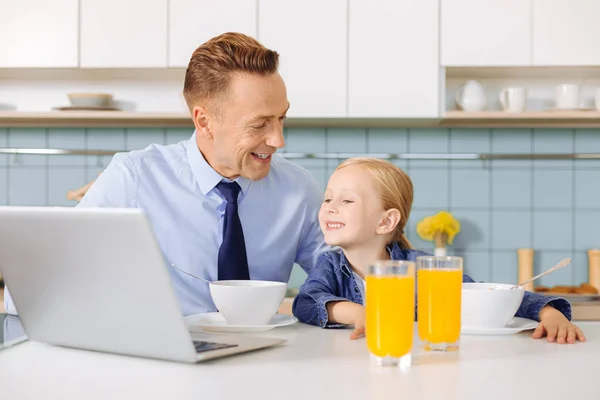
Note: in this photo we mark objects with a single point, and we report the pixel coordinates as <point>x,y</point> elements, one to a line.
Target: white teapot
<point>471,97</point>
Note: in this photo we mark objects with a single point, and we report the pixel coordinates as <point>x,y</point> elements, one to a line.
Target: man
<point>223,205</point>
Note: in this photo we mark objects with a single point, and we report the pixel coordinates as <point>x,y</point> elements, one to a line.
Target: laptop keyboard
<point>202,346</point>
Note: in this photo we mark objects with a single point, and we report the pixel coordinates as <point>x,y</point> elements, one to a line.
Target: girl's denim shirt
<point>332,280</point>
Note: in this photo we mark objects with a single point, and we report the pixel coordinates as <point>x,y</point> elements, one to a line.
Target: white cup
<point>513,99</point>
<point>598,99</point>
<point>567,96</point>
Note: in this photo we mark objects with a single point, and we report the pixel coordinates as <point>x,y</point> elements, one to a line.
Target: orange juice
<point>438,303</point>
<point>390,314</point>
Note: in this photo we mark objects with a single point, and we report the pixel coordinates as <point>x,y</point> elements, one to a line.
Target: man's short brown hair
<point>213,63</point>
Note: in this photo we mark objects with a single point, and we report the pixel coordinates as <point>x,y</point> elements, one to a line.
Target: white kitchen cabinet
<point>394,68</point>
<point>39,33</point>
<point>311,39</point>
<point>123,34</point>
<point>486,32</point>
<point>193,22</point>
<point>566,32</point>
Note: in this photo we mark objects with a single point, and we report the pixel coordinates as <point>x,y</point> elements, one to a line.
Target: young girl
<point>367,204</point>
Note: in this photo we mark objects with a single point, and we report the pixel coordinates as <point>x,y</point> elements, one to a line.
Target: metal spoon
<point>558,266</point>
<point>187,273</point>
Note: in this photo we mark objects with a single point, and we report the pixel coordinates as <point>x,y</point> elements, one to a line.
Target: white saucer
<point>214,322</point>
<point>516,325</point>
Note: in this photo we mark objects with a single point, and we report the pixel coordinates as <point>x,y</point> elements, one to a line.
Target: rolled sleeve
<point>314,311</point>
<point>320,288</point>
<point>533,303</point>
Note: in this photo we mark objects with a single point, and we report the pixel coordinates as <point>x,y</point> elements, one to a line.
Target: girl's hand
<point>557,328</point>
<point>359,324</point>
<point>347,313</point>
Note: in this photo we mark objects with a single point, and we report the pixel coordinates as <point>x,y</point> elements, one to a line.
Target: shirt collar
<point>205,175</point>
<point>345,265</point>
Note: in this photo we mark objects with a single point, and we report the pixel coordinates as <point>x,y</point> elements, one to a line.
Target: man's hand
<point>557,328</point>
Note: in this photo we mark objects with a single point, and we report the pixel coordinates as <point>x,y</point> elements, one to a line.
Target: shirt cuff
<point>559,303</point>
<point>323,316</point>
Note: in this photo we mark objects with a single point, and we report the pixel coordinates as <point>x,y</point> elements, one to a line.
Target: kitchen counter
<point>586,310</point>
<point>314,363</point>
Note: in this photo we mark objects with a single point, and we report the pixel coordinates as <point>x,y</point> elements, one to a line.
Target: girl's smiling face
<point>352,209</point>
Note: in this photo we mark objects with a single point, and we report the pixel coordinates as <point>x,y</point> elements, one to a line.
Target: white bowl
<point>247,302</point>
<point>489,305</point>
<point>90,99</point>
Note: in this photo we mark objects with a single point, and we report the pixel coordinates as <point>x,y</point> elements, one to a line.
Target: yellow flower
<point>440,223</point>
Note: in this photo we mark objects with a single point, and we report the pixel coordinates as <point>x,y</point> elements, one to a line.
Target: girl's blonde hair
<point>395,188</point>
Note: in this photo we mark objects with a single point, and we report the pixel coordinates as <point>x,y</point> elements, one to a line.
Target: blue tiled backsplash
<point>551,206</point>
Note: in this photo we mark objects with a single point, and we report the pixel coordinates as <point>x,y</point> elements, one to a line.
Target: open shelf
<point>533,119</point>
<point>52,119</point>
<point>124,119</point>
<point>484,119</point>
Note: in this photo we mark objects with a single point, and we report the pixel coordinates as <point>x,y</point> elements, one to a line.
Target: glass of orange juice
<point>439,287</point>
<point>390,311</point>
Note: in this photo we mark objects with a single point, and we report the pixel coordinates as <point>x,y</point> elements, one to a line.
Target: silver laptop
<point>95,279</point>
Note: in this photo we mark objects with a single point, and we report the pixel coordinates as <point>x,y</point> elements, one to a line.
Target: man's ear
<point>390,220</point>
<point>202,122</point>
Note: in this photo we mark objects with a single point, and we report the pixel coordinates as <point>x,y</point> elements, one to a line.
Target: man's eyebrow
<point>270,116</point>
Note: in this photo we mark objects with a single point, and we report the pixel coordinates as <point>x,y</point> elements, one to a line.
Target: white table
<point>313,364</point>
